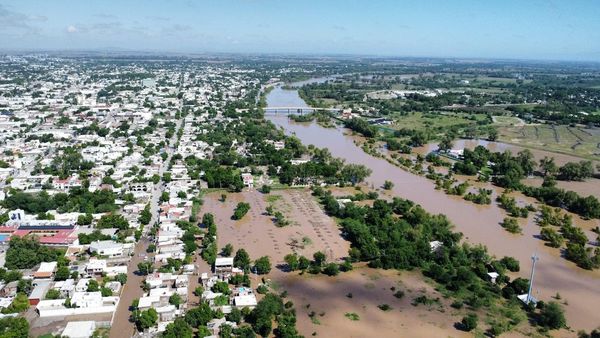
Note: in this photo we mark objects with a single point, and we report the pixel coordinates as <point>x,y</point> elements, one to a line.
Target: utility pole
<point>534,259</point>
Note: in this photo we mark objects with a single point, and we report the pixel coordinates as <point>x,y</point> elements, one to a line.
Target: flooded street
<point>580,288</point>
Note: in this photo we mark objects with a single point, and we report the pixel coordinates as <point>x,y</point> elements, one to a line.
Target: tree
<point>292,261</point>
<point>146,319</point>
<point>121,278</point>
<point>331,269</point>
<point>25,253</point>
<point>106,292</point>
<point>14,327</point>
<point>510,263</point>
<point>220,287</point>
<point>145,215</point>
<point>227,250</point>
<point>175,299</point>
<point>199,316</point>
<point>164,197</point>
<point>145,268</point>
<point>280,219</point>
<point>576,171</point>
<point>262,316</point>
<point>303,263</point>
<point>19,304</point>
<point>265,189</point>
<point>240,210</point>
<point>53,294</point>
<point>234,316</point>
<point>225,331</point>
<point>492,134</point>
<point>113,221</point>
<point>203,331</point>
<point>552,316</point>
<point>388,185</point>
<point>354,173</point>
<point>93,286</point>
<point>178,329</point>
<point>62,273</point>
<point>85,219</point>
<point>241,259</point>
<point>469,322</point>
<point>319,258</point>
<point>262,266</point>
<point>548,167</point>
<point>446,142</point>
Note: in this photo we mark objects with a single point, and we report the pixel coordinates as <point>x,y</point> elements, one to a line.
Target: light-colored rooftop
<point>81,329</point>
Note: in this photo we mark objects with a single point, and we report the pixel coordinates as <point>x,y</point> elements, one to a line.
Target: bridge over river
<point>298,110</point>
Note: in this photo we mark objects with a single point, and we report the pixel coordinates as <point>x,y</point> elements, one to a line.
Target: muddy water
<point>479,224</point>
<point>280,97</point>
<point>328,298</point>
<point>310,229</point>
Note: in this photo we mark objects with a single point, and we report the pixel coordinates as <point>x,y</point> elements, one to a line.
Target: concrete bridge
<point>298,110</point>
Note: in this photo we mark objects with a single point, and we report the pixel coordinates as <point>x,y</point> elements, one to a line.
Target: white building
<point>81,329</point>
<point>95,266</point>
<point>106,248</point>
<point>223,264</point>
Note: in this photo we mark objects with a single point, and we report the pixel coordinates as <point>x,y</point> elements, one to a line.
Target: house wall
<point>76,311</point>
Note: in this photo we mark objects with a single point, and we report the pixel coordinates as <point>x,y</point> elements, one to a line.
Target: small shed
<point>493,276</point>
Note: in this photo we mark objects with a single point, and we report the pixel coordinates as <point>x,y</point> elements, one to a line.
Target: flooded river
<point>480,224</point>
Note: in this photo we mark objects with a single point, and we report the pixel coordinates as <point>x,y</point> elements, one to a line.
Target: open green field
<point>507,121</point>
<point>578,141</point>
<point>420,121</point>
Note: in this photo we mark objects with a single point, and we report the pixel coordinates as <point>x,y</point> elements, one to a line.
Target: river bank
<point>478,223</point>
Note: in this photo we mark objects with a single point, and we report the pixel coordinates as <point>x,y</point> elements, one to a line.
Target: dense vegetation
<point>240,211</point>
<point>77,200</point>
<point>25,253</point>
<point>508,171</point>
<point>397,235</point>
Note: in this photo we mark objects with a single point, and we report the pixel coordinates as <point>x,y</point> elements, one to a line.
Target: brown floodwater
<point>309,229</point>
<point>480,224</point>
<point>327,298</point>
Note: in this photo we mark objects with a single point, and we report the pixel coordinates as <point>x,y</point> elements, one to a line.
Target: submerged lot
<point>309,229</point>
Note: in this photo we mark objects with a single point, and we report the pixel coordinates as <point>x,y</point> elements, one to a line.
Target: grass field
<point>578,141</point>
<point>507,121</point>
<point>420,121</point>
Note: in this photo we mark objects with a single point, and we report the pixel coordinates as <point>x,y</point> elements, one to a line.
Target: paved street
<point>121,326</point>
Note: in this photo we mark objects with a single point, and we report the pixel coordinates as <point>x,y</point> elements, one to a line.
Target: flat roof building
<point>81,329</point>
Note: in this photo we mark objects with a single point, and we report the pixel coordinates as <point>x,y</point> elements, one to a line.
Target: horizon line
<point>295,54</point>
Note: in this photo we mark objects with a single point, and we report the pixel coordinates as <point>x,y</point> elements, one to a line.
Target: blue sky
<point>531,29</point>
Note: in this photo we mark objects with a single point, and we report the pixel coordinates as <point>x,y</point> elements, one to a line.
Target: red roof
<point>21,233</point>
<point>61,237</point>
<point>57,240</point>
<point>7,229</point>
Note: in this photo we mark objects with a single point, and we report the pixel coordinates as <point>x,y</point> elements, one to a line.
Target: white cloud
<point>72,29</point>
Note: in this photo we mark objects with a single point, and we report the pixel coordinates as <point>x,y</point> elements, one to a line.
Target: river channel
<point>479,224</point>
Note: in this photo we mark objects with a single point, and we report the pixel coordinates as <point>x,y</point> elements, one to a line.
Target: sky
<point>513,29</point>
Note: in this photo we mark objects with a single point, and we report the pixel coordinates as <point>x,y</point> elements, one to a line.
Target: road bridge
<point>298,110</point>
